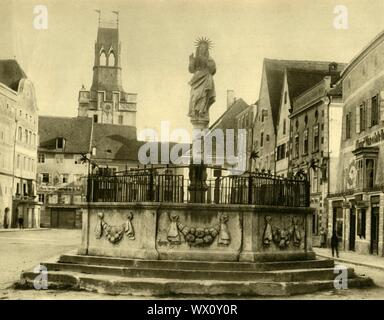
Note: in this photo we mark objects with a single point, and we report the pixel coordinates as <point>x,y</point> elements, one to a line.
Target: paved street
<point>24,249</point>
<point>21,250</point>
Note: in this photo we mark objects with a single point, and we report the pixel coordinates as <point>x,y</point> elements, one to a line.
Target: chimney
<point>230,98</point>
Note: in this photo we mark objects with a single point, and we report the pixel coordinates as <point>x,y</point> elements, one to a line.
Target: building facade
<point>314,143</point>
<point>61,171</point>
<point>18,148</point>
<point>106,101</point>
<point>356,209</point>
<point>281,82</point>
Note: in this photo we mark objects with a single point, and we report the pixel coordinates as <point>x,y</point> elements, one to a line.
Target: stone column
<point>198,169</point>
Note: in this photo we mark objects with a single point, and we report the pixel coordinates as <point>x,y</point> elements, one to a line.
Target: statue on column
<point>203,93</point>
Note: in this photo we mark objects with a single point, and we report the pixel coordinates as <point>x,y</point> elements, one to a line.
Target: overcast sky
<point>158,36</point>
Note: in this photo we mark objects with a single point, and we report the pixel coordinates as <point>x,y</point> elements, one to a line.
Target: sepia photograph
<point>187,150</point>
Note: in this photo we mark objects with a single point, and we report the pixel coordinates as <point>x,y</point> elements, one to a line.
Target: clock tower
<point>106,101</point>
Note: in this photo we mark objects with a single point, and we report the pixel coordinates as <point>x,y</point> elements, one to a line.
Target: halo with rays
<point>205,40</point>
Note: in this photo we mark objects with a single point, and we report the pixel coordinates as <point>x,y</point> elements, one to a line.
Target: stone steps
<point>197,265</point>
<point>114,285</point>
<point>190,274</point>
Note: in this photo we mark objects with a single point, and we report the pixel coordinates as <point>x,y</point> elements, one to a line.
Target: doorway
<point>352,229</point>
<point>375,230</point>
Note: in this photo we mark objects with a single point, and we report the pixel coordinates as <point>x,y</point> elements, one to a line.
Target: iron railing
<point>251,188</point>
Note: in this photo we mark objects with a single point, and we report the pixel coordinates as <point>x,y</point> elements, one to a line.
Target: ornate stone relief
<point>282,236</point>
<point>114,234</point>
<point>198,236</point>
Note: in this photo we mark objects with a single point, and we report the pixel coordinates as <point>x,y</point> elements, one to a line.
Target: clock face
<point>351,178</point>
<point>107,107</point>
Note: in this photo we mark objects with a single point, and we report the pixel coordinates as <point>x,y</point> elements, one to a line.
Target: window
<point>316,138</point>
<point>264,114</point>
<point>45,178</point>
<point>95,118</point>
<point>305,142</point>
<point>41,197</point>
<point>362,117</point>
<point>26,136</point>
<point>20,134</point>
<point>348,126</point>
<point>374,111</point>
<point>370,172</point>
<point>18,162</point>
<point>60,143</point>
<point>284,126</point>
<point>297,125</point>
<point>285,97</point>
<point>361,222</point>
<point>65,178</point>
<point>281,152</point>
<point>262,139</point>
<point>315,180</point>
<point>120,119</point>
<point>111,59</point>
<point>103,59</point>
<point>297,146</point>
<point>41,158</point>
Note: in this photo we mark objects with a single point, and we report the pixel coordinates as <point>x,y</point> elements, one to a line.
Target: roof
<point>76,131</point>
<point>301,75</point>
<point>11,73</point>
<point>228,119</point>
<point>108,37</point>
<point>373,43</point>
<point>115,142</point>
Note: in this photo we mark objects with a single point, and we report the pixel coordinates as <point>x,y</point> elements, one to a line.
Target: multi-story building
<point>356,209</point>
<point>18,147</point>
<point>69,149</point>
<point>281,82</point>
<point>245,121</point>
<point>314,143</point>
<point>61,171</point>
<point>106,101</point>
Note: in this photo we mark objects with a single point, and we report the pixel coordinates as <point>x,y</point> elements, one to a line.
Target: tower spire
<point>117,17</point>
<point>99,12</point>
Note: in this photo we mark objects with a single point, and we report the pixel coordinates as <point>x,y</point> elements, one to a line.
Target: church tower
<point>106,101</point>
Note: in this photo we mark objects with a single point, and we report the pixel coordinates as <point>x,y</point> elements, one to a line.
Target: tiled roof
<point>76,131</point>
<point>115,142</point>
<point>228,119</point>
<point>301,75</point>
<point>11,73</point>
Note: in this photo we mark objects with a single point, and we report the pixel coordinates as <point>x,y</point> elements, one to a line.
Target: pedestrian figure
<point>20,220</point>
<point>335,244</point>
<point>323,238</point>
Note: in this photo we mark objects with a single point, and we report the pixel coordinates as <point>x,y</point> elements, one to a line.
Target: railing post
<point>250,191</point>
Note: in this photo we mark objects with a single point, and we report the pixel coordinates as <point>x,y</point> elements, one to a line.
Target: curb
<point>362,264</point>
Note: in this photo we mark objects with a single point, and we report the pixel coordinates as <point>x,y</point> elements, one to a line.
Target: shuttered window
<point>374,111</point>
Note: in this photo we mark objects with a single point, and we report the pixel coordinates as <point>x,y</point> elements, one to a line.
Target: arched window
<point>111,59</point>
<point>103,59</point>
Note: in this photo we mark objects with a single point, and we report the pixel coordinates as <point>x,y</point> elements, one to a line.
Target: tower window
<point>95,118</point>
<point>120,119</point>
<point>111,59</point>
<point>103,59</point>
